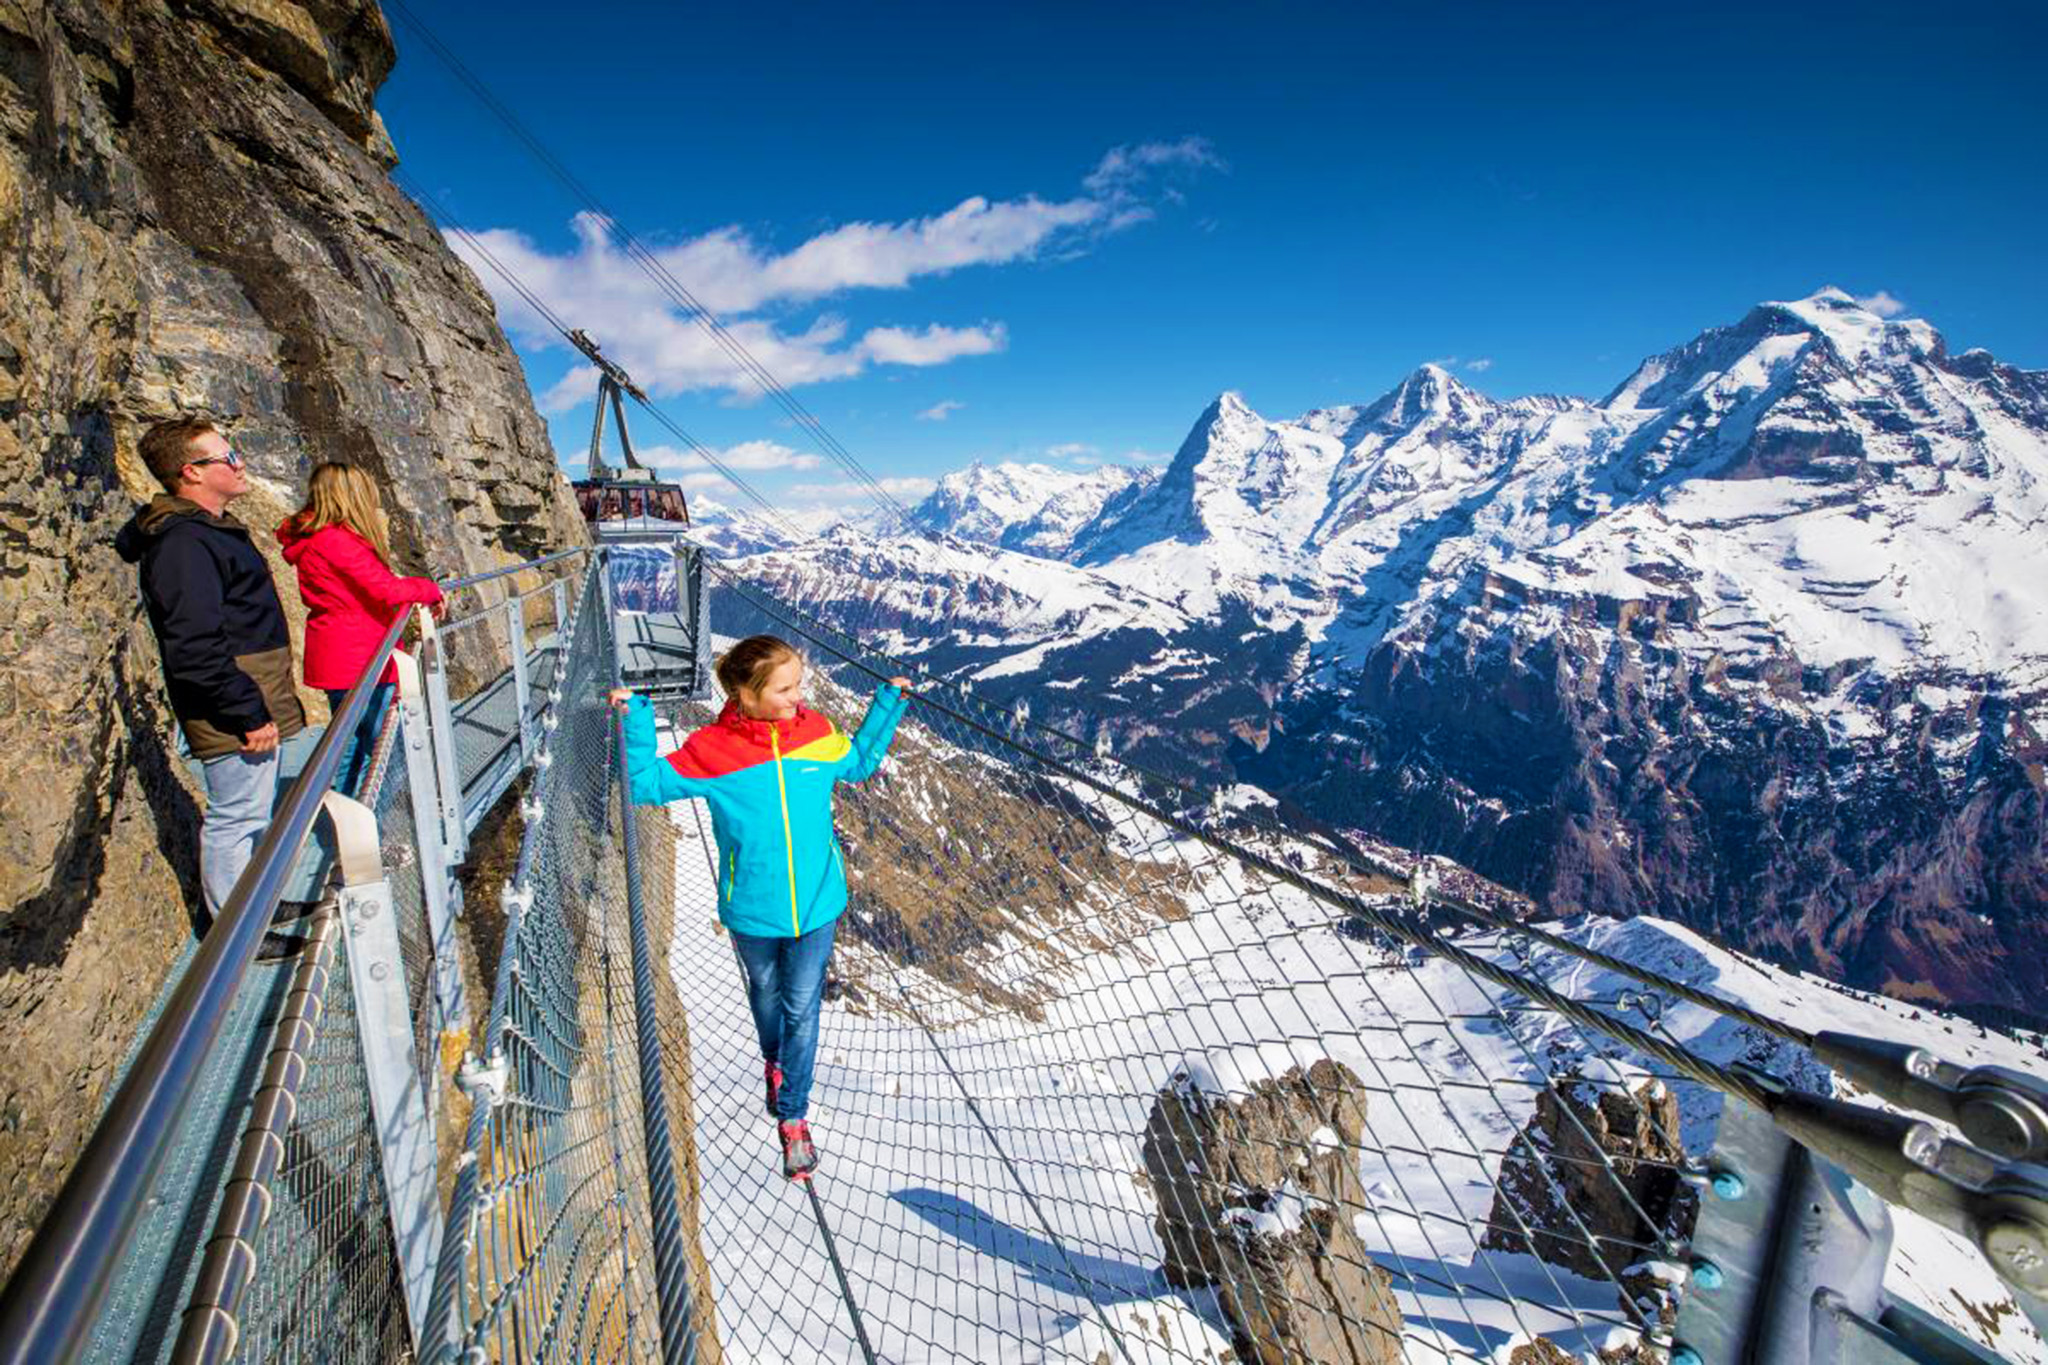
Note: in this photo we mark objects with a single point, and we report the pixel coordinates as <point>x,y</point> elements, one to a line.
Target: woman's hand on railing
<point>618,697</point>
<point>901,685</point>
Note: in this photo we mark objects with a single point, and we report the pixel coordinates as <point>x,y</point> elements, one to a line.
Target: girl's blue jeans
<point>785,988</point>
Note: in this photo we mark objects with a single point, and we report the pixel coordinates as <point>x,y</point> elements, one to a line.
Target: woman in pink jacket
<point>340,543</point>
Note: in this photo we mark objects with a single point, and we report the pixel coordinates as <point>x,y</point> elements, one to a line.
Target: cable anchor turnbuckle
<point>2001,1110</point>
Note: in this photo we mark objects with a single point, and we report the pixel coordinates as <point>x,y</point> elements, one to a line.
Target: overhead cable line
<point>755,370</point>
<point>651,265</point>
<point>441,214</point>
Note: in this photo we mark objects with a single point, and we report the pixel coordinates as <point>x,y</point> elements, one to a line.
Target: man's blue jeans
<point>240,791</point>
<point>785,987</point>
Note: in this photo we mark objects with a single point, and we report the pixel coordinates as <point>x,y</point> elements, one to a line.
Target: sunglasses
<point>231,460</point>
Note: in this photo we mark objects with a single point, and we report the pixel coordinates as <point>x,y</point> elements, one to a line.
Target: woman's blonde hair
<point>343,495</point>
<point>746,666</point>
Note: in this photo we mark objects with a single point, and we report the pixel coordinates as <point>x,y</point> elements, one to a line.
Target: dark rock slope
<point>196,216</point>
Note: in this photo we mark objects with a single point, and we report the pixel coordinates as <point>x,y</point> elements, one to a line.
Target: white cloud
<point>1480,365</point>
<point>600,281</point>
<point>1123,169</point>
<point>905,489</point>
<point>1883,303</point>
<point>1071,450</point>
<point>1147,456</point>
<point>933,345</point>
<point>768,455</point>
<point>941,410</point>
<point>752,456</point>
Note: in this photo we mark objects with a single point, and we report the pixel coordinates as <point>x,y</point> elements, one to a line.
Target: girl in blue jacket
<point>766,768</point>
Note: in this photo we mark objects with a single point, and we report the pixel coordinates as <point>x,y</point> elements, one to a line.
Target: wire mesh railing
<point>1090,1085</point>
<point>553,1230</point>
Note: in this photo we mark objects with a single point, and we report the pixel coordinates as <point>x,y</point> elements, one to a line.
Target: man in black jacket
<point>227,654</point>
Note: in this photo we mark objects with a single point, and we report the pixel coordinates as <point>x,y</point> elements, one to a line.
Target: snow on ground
<point>983,1178</point>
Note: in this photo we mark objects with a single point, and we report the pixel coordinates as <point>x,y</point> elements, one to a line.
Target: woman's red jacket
<point>351,600</point>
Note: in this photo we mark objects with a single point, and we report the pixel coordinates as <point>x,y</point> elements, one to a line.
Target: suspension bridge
<point>1113,1069</point>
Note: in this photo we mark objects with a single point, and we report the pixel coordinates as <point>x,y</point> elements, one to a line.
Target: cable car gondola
<point>615,501</point>
<point>658,591</point>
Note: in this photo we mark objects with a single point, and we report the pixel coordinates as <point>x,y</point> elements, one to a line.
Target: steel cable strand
<point>1692,995</point>
<point>1679,1059</point>
<point>867,1349</point>
<point>819,630</point>
<point>1031,1199</point>
<point>1504,1295</point>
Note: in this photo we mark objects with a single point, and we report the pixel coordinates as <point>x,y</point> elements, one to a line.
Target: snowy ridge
<point>1786,587</point>
<point>1033,508</point>
<point>1813,482</point>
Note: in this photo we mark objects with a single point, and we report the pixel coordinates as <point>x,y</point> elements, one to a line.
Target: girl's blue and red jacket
<point>769,786</point>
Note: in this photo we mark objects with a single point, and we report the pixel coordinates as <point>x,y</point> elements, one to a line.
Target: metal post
<point>559,590</point>
<point>429,833</point>
<point>595,466</point>
<point>522,690</point>
<point>401,1099</point>
<point>1787,1262</point>
<point>441,729</point>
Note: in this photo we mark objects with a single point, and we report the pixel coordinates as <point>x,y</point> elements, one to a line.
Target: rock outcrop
<point>1257,1197</point>
<point>1592,1181</point>
<point>197,217</point>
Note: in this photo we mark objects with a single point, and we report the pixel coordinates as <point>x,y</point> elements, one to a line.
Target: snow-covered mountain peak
<point>1035,508</point>
<point>1789,577</point>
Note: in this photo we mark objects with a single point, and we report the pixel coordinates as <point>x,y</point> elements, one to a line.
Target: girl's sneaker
<point>799,1157</point>
<point>773,1075</point>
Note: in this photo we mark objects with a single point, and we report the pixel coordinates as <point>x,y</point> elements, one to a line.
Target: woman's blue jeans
<point>785,988</point>
<point>357,748</point>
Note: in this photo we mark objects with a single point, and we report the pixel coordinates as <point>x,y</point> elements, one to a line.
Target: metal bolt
<point>1920,1064</point>
<point>1921,1145</point>
<point>379,971</point>
<point>1728,1184</point>
<point>2019,1252</point>
<point>1707,1275</point>
<point>1685,1355</point>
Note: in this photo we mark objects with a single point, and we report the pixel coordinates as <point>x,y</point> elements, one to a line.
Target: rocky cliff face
<point>196,217</point>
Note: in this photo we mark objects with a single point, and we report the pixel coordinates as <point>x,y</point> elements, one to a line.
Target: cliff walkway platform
<point>1113,1068</point>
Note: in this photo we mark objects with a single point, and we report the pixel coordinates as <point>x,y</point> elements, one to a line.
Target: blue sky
<point>1054,232</point>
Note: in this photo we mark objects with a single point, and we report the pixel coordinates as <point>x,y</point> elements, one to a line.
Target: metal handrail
<point>57,1289</point>
<point>455,585</point>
